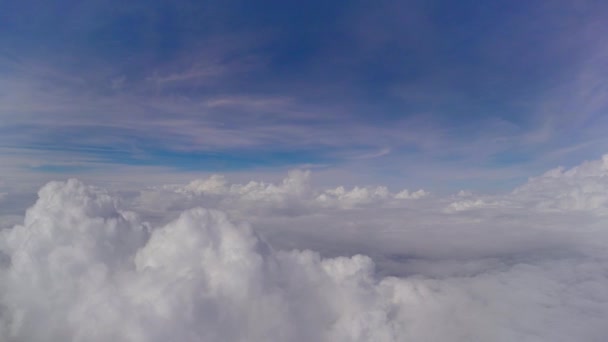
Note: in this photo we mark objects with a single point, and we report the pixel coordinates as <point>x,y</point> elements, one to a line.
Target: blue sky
<point>439,94</point>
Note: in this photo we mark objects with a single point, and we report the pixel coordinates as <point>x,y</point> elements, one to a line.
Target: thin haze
<point>303,171</point>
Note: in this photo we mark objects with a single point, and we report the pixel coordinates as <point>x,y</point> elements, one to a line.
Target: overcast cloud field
<point>303,171</point>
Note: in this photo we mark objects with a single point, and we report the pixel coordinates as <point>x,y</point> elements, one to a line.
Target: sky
<point>332,171</point>
<point>429,93</point>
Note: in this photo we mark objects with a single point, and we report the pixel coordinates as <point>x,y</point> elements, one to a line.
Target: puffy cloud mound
<point>463,205</point>
<point>295,184</point>
<point>405,194</point>
<point>80,268</point>
<point>215,184</point>
<point>294,195</point>
<point>584,187</point>
<point>341,197</point>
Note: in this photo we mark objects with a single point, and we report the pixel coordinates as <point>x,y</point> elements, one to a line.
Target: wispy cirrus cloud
<point>249,93</point>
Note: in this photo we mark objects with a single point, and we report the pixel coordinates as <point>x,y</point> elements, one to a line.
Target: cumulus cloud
<point>295,192</point>
<point>584,187</point>
<point>405,194</point>
<point>82,270</point>
<point>85,265</point>
<point>345,198</point>
<point>470,204</point>
<point>215,185</point>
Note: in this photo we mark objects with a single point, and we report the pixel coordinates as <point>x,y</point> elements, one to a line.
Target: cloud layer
<point>89,265</point>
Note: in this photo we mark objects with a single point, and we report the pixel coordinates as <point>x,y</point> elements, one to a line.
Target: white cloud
<point>357,196</point>
<point>470,204</point>
<point>405,194</point>
<point>215,185</point>
<point>296,183</point>
<point>584,187</point>
<point>83,266</point>
<point>294,190</point>
<point>80,269</point>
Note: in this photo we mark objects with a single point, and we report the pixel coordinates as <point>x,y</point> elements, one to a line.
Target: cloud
<point>469,204</point>
<point>584,188</point>
<point>295,190</point>
<point>405,194</point>
<point>86,265</point>
<point>215,184</point>
<point>80,269</point>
